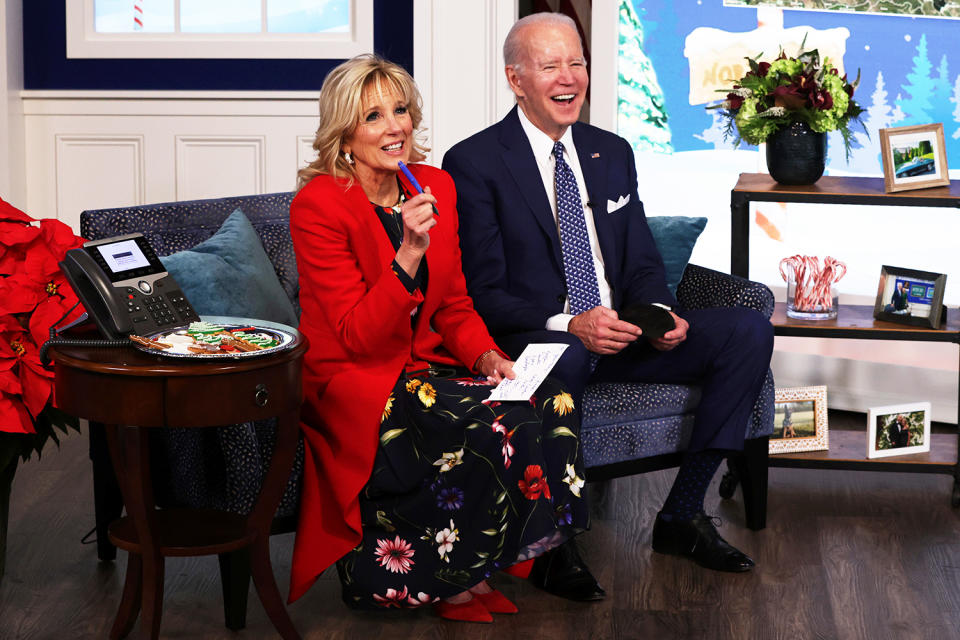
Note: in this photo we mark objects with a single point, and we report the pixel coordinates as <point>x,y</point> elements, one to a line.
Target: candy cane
<point>813,283</point>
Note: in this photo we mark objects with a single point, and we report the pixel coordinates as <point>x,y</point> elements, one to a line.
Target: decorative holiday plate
<point>219,337</point>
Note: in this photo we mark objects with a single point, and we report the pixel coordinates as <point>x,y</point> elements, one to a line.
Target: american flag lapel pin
<point>594,155</point>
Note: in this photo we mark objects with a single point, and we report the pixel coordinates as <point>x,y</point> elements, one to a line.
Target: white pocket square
<point>619,204</point>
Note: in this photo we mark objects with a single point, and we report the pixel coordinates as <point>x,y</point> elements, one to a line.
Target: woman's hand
<point>417,221</point>
<point>496,368</point>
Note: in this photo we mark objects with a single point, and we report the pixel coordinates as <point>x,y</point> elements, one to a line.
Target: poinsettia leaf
<point>15,233</point>
<point>11,213</point>
<point>14,417</point>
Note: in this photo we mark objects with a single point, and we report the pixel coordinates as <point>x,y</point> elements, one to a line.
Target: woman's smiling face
<point>384,135</point>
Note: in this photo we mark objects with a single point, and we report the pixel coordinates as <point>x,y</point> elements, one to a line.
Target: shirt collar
<point>541,143</point>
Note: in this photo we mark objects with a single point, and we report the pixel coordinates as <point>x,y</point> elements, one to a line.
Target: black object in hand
<point>654,321</point>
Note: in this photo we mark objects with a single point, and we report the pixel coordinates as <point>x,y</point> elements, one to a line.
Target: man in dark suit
<point>555,242</point>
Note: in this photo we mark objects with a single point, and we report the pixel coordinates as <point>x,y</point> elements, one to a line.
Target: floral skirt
<point>462,487</point>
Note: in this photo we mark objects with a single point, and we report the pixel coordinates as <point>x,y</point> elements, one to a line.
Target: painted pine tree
<point>641,116</point>
<point>943,89</point>
<point>921,86</point>
<point>956,112</point>
<point>865,155</point>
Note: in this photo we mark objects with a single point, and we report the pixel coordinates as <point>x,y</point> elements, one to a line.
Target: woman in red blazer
<point>414,484</point>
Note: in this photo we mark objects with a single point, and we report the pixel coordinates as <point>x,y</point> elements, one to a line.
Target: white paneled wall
<point>96,150</point>
<point>12,180</point>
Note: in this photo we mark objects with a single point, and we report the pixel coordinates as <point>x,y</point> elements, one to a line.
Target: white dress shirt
<point>542,146</point>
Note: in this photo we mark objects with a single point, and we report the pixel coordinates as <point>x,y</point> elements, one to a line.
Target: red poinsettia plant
<point>33,296</point>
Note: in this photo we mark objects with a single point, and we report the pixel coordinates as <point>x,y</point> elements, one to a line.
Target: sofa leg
<point>235,580</point>
<point>107,499</point>
<point>751,466</point>
<point>729,481</point>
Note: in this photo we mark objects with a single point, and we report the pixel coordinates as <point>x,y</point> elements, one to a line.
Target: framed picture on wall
<point>799,420</point>
<point>913,157</point>
<point>911,297</point>
<point>897,430</point>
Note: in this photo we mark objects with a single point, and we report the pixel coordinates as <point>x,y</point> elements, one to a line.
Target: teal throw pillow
<point>229,274</point>
<point>675,237</point>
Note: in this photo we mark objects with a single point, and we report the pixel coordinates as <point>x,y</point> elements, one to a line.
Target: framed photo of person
<point>913,157</point>
<point>911,297</point>
<point>897,430</point>
<point>799,420</point>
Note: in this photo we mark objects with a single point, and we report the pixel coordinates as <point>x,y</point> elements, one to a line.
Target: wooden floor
<point>845,555</point>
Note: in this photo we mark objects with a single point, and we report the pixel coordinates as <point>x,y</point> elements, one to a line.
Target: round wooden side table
<point>125,386</point>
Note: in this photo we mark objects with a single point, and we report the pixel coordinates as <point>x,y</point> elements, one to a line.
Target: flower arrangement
<point>774,95</point>
<point>34,295</point>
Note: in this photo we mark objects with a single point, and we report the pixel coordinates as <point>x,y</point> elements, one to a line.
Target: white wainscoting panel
<point>82,181</point>
<point>305,152</point>
<point>219,166</point>
<point>80,146</point>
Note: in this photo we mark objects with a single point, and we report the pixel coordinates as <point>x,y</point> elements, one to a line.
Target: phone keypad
<point>165,310</point>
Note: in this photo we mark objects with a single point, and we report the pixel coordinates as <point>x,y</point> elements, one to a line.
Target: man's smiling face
<point>550,81</point>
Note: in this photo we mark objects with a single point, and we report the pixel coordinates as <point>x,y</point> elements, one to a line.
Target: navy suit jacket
<point>508,235</point>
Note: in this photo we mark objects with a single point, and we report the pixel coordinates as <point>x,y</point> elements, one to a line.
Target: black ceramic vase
<point>796,154</point>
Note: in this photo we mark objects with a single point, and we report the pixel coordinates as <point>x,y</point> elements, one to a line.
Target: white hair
<point>513,46</point>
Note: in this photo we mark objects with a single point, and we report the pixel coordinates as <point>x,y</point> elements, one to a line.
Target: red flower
<point>791,96</point>
<point>19,356</point>
<point>735,101</point>
<point>822,99</point>
<point>533,483</point>
<point>35,284</point>
<point>34,294</point>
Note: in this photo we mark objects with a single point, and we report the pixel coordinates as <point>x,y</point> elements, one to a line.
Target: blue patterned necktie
<point>578,267</point>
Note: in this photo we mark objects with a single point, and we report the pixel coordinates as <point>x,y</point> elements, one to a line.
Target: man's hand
<point>675,336</point>
<point>601,330</point>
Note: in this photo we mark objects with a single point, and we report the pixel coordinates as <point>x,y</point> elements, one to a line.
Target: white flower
<point>571,478</point>
<point>449,460</point>
<point>773,112</point>
<point>743,92</point>
<point>445,540</point>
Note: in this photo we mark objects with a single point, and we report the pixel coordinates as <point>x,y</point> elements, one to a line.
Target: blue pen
<point>416,185</point>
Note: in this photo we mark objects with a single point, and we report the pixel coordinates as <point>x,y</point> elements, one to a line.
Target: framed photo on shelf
<point>911,297</point>
<point>913,157</point>
<point>897,430</point>
<point>799,420</point>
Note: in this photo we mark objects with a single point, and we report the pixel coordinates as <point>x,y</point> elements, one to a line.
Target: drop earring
<point>348,157</point>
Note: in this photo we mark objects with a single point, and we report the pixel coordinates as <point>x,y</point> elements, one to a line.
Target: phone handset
<point>95,292</point>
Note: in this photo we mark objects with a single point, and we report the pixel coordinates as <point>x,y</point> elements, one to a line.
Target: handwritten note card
<point>533,365</point>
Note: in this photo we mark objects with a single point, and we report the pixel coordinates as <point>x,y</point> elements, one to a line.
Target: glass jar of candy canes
<point>812,287</point>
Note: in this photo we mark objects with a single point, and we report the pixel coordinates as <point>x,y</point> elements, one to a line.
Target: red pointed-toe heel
<point>495,602</point>
<point>519,570</point>
<point>470,611</point>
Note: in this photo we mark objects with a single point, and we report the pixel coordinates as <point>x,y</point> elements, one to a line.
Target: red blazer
<point>356,314</point>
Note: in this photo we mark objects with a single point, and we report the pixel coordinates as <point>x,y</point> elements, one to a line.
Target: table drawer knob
<point>261,395</point>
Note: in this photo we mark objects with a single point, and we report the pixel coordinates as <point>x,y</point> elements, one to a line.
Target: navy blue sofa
<point>627,428</point>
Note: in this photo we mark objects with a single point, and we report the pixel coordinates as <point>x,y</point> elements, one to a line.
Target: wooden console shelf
<point>848,449</point>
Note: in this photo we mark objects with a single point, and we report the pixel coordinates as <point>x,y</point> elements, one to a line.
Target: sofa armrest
<point>701,288</point>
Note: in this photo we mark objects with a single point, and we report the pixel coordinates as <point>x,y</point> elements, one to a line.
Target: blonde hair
<point>341,107</point>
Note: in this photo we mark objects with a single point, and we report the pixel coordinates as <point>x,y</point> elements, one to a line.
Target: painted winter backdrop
<point>907,77</point>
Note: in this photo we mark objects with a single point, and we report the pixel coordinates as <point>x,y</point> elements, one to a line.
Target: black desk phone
<point>125,288</point>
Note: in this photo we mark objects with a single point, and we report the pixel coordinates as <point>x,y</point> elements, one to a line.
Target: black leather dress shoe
<point>562,572</point>
<point>698,539</point>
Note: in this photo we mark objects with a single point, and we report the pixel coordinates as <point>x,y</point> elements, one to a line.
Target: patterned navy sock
<point>689,489</point>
